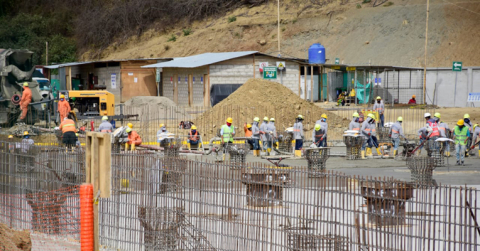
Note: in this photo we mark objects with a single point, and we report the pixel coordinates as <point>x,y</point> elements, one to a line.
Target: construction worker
<point>256,137</point>
<point>396,130</point>
<point>354,124</point>
<point>412,101</point>
<point>468,124</point>
<point>298,136</point>
<point>193,136</point>
<point>369,133</point>
<point>11,144</point>
<point>27,160</point>
<point>77,143</point>
<point>317,135</point>
<point>162,130</point>
<point>133,139</point>
<point>68,129</point>
<point>63,107</point>
<point>273,132</point>
<point>26,99</point>
<point>423,135</point>
<point>266,143</point>
<point>227,132</point>
<point>323,123</point>
<point>379,106</point>
<point>460,135</point>
<point>432,123</point>
<point>444,133</point>
<point>130,125</point>
<point>105,126</point>
<point>476,133</point>
<point>247,128</point>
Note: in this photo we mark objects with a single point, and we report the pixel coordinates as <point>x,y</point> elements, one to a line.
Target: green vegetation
<point>359,6</point>
<point>232,19</point>
<point>388,4</point>
<point>172,38</point>
<point>366,1</point>
<point>187,32</point>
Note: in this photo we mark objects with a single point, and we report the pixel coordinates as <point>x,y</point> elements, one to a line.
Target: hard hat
<point>229,120</point>
<point>10,136</point>
<point>249,126</point>
<point>400,119</point>
<point>128,129</point>
<point>25,133</point>
<point>413,96</point>
<point>130,125</point>
<point>378,97</point>
<point>25,84</point>
<point>194,127</point>
<point>317,127</point>
<point>474,126</point>
<point>427,115</point>
<point>370,115</point>
<point>272,119</point>
<point>437,114</point>
<point>256,119</point>
<point>76,134</point>
<point>461,122</point>
<point>324,116</point>
<point>162,125</point>
<point>105,118</point>
<point>466,116</point>
<point>265,118</point>
<point>356,115</point>
<point>300,116</point>
<point>62,96</point>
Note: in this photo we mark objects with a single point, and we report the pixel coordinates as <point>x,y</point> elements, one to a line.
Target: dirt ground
<point>12,240</point>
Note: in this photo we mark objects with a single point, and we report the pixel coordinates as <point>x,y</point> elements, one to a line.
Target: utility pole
<point>46,53</point>
<point>278,24</point>
<point>425,63</point>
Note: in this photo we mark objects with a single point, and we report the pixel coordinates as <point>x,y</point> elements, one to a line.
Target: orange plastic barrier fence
<point>86,217</point>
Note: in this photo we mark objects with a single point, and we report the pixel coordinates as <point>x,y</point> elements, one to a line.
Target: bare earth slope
<point>392,35</point>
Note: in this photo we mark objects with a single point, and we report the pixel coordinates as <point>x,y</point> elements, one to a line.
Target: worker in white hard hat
<point>267,144</point>
<point>63,108</point>
<point>445,132</point>
<point>354,124</point>
<point>298,135</point>
<point>273,132</point>
<point>379,107</point>
<point>161,135</point>
<point>105,126</point>
<point>396,131</point>
<point>256,137</point>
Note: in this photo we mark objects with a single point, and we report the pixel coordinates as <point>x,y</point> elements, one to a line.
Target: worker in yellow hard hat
<point>468,124</point>
<point>27,160</point>
<point>317,135</point>
<point>256,137</point>
<point>247,128</point>
<point>63,108</point>
<point>355,124</point>
<point>226,133</point>
<point>105,126</point>
<point>25,100</point>
<point>130,125</point>
<point>11,144</point>
<point>161,135</point>
<point>298,135</point>
<point>133,139</point>
<point>412,101</point>
<point>266,139</point>
<point>323,122</point>
<point>379,107</point>
<point>193,137</point>
<point>369,133</point>
<point>460,135</point>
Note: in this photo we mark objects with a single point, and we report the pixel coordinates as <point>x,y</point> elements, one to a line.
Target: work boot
<point>478,153</point>
<point>394,153</point>
<point>379,153</point>
<point>133,147</point>
<point>369,152</point>
<point>447,154</point>
<point>419,152</point>
<point>363,155</point>
<point>223,157</point>
<point>298,153</point>
<point>458,163</point>
<point>462,163</point>
<point>466,154</point>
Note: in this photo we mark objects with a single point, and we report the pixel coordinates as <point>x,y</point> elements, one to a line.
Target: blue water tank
<point>316,54</point>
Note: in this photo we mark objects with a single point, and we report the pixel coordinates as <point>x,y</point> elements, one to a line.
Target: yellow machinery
<point>91,104</point>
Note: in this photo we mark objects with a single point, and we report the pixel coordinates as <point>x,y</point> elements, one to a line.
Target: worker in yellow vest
<point>226,133</point>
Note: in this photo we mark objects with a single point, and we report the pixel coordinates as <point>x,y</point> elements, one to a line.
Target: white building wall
<point>168,76</point>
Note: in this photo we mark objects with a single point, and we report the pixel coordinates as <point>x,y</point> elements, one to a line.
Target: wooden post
<point>206,91</point>
<point>254,66</point>
<point>68,76</point>
<point>190,90</point>
<point>175,89</point>
<point>305,82</point>
<point>311,83</point>
<point>299,80</point>
<point>98,171</point>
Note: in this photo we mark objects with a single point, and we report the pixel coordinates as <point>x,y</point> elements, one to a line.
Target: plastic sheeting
<point>363,99</point>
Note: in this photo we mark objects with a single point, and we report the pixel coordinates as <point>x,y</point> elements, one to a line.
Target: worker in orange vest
<point>26,99</point>
<point>63,107</point>
<point>193,137</point>
<point>247,128</point>
<point>69,137</point>
<point>133,139</point>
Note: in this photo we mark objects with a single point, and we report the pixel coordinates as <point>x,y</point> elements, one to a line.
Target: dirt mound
<point>260,98</point>
<point>149,100</point>
<point>14,240</point>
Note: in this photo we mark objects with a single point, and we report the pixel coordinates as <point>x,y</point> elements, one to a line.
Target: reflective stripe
<point>394,131</point>
<point>356,129</point>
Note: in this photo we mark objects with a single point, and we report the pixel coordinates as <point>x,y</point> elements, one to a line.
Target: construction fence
<point>173,203</point>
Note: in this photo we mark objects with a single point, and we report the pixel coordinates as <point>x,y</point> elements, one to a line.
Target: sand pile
<point>149,100</point>
<point>14,240</point>
<point>259,98</point>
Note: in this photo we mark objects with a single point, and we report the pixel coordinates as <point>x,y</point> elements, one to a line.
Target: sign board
<point>281,66</point>
<point>157,75</point>
<point>113,80</point>
<point>262,65</point>
<point>335,67</point>
<point>473,97</point>
<point>457,66</point>
<point>337,60</point>
<point>378,81</point>
<point>350,68</point>
<point>270,72</point>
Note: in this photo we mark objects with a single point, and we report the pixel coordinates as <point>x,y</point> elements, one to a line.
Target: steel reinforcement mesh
<point>354,145</point>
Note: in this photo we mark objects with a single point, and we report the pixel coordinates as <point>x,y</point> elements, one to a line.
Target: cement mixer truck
<point>16,67</point>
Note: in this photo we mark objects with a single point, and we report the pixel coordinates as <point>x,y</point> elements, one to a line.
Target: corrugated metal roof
<point>200,60</point>
<point>101,61</point>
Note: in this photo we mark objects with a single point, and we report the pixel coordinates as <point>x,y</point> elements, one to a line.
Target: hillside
<point>382,35</point>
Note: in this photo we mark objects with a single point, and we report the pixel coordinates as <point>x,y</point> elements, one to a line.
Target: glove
<point>369,134</point>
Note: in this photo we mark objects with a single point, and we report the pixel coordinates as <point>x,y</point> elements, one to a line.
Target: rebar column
<point>434,150</point>
<point>354,145</point>
<point>238,155</point>
<point>421,169</point>
<point>316,159</point>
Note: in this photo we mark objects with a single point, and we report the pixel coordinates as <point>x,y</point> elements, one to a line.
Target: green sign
<point>337,61</point>
<point>457,66</point>
<point>270,72</point>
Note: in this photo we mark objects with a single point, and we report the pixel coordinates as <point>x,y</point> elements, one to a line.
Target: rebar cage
<point>316,160</point>
<point>354,145</point>
<point>421,169</point>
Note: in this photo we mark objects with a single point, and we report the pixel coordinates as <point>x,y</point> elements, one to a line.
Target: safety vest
<point>194,137</point>
<point>434,127</point>
<point>227,133</point>
<point>461,135</point>
<point>68,126</point>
